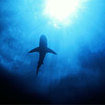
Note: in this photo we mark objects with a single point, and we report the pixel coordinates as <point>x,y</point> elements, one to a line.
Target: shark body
<point>42,50</point>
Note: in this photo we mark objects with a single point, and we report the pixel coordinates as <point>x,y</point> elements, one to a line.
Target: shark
<point>42,49</point>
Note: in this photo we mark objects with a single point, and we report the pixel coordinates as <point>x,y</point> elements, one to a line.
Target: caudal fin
<point>37,71</point>
<point>38,66</point>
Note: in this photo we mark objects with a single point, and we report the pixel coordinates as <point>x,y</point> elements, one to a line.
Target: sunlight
<point>62,11</point>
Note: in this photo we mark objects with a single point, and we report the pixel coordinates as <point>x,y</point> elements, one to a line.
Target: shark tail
<point>38,66</point>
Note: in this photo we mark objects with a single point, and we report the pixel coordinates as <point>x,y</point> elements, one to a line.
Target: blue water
<point>79,63</point>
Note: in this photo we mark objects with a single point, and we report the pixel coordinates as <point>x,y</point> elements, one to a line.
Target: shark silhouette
<point>42,50</point>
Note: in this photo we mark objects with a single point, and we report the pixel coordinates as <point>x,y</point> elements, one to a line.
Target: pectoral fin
<point>50,51</point>
<point>34,50</point>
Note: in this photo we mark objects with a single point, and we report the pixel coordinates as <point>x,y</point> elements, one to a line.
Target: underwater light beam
<point>62,12</point>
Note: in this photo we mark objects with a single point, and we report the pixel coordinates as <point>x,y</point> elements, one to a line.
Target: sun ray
<point>62,11</point>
